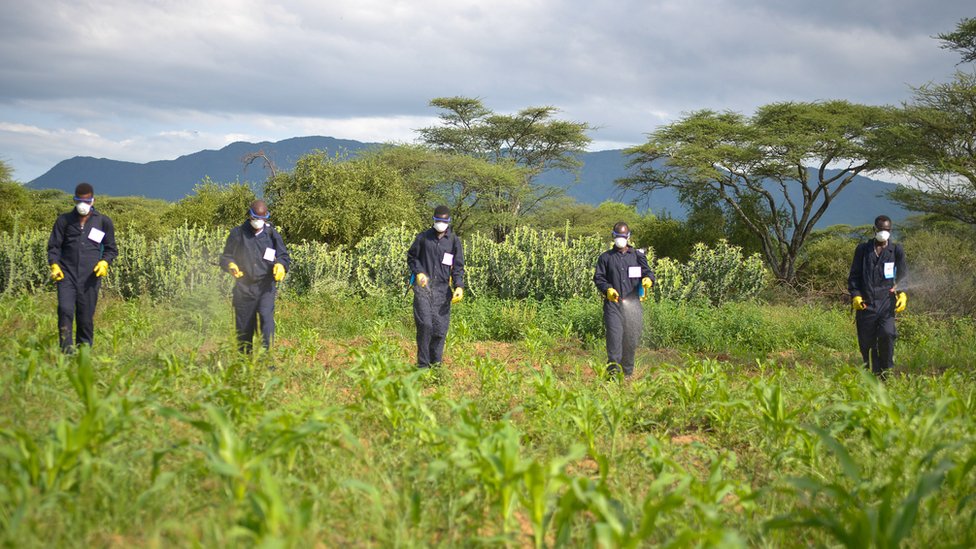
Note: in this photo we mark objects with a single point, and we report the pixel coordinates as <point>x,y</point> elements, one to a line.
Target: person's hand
<point>858,304</point>
<point>57,274</point>
<point>234,270</point>
<point>458,295</point>
<point>421,280</point>
<point>278,271</point>
<point>901,301</point>
<point>101,268</point>
<point>613,295</point>
<point>646,284</point>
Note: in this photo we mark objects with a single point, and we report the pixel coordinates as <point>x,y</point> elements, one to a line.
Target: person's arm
<point>281,252</point>
<point>55,241</point>
<point>109,249</point>
<point>600,275</point>
<point>457,268</point>
<point>854,278</point>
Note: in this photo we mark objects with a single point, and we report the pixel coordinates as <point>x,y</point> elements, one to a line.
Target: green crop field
<point>746,424</point>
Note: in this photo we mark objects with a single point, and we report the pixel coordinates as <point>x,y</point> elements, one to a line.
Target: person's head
<point>442,218</point>
<point>882,228</point>
<point>621,234</point>
<point>257,214</point>
<point>84,198</point>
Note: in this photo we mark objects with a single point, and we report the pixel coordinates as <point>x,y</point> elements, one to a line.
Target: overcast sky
<point>143,80</point>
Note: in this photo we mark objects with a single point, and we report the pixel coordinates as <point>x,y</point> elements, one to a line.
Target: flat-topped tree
<point>531,139</point>
<point>778,171</point>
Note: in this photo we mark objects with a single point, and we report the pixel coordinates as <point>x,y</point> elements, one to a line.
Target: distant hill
<point>174,179</point>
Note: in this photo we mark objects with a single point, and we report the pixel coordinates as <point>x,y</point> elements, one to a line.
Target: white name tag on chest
<point>96,235</point>
<point>889,269</point>
<point>269,254</point>
<point>448,259</point>
<point>634,272</point>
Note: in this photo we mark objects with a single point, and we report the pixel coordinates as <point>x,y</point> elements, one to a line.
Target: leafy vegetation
<point>745,425</point>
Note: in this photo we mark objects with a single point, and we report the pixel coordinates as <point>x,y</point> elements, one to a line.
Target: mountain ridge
<point>173,179</point>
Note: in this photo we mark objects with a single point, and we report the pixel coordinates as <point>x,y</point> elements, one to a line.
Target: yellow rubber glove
<point>57,274</point>
<point>646,282</point>
<point>613,295</point>
<point>278,271</point>
<point>458,295</point>
<point>421,280</point>
<point>901,301</point>
<point>234,270</point>
<point>101,268</point>
<point>858,304</point>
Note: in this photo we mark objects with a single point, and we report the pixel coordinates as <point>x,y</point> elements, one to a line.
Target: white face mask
<point>620,242</point>
<point>83,208</point>
<point>440,226</point>
<point>882,236</point>
<point>258,224</point>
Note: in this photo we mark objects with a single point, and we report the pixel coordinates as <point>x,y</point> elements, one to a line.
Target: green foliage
<point>942,149</point>
<point>826,262</point>
<point>532,263</point>
<point>528,264</point>
<point>758,167</point>
<point>724,275</point>
<point>179,263</point>
<point>212,205</point>
<point>940,273</point>
<point>572,219</point>
<point>717,275</point>
<point>381,261</point>
<point>962,40</point>
<point>6,173</point>
<point>530,139</point>
<point>330,200</point>
<point>16,200</point>
<point>473,188</point>
<point>345,443</point>
<point>29,209</point>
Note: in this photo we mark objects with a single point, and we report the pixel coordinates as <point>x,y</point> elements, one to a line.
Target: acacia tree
<point>962,40</point>
<point>530,139</point>
<point>944,152</point>
<point>943,117</point>
<point>466,184</point>
<point>778,171</point>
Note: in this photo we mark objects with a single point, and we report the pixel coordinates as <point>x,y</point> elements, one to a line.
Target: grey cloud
<point>623,66</point>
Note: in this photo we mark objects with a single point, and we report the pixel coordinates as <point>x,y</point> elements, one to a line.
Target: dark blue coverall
<point>874,277</point>
<point>622,270</point>
<point>76,249</point>
<point>442,260</point>
<point>254,293</point>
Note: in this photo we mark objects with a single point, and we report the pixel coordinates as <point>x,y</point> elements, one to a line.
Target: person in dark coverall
<point>81,247</point>
<point>256,256</point>
<point>436,258</point>
<point>625,279</point>
<point>878,266</point>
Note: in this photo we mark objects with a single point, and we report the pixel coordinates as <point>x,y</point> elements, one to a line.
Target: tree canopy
<point>943,117</point>
<point>778,171</point>
<point>962,40</point>
<point>531,139</point>
<point>339,201</point>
